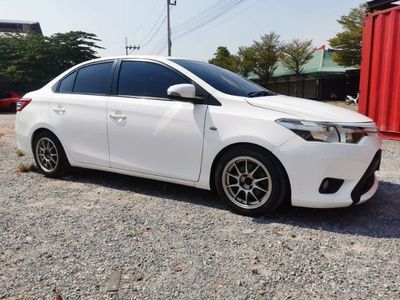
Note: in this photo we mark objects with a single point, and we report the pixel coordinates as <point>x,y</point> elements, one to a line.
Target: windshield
<point>223,80</point>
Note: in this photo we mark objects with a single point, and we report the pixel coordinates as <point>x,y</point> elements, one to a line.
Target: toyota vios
<point>192,123</point>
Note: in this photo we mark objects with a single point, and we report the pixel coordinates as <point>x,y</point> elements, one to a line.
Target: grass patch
<point>19,153</point>
<point>2,134</point>
<point>25,167</point>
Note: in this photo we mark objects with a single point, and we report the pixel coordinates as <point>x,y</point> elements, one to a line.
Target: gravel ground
<point>66,237</point>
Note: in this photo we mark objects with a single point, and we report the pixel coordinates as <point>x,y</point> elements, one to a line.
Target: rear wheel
<point>49,155</point>
<point>251,181</point>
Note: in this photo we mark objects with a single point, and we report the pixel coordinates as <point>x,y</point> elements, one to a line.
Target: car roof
<point>108,58</point>
<point>151,57</point>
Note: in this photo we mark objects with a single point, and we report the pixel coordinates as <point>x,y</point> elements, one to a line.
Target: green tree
<point>266,56</point>
<point>74,47</point>
<point>295,55</point>
<point>224,59</point>
<point>246,60</point>
<point>29,61</point>
<point>348,42</point>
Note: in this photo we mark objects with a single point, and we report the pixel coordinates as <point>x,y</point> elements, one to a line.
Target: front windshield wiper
<point>260,94</point>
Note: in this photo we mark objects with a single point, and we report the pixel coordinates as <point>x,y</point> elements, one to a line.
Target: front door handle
<point>117,116</point>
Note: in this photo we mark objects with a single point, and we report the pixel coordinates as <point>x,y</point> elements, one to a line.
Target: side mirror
<point>177,91</point>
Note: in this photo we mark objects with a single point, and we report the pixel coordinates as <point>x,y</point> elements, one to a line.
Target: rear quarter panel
<point>34,116</point>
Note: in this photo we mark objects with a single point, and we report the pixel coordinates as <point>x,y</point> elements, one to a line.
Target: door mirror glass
<point>182,91</point>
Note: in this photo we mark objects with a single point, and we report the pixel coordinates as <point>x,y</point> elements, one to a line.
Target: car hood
<point>308,109</point>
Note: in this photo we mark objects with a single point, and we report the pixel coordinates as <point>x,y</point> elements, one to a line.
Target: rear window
<point>67,84</point>
<point>93,79</point>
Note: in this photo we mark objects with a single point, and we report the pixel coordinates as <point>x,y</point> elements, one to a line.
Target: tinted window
<point>223,80</point>
<point>93,79</point>
<point>67,84</point>
<point>147,79</point>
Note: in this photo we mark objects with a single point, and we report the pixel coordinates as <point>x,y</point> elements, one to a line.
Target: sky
<point>113,20</point>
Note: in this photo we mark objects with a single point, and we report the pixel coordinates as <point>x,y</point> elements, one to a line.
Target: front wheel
<point>251,181</point>
<point>49,155</point>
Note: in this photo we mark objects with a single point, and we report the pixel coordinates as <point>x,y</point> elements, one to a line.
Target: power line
<point>152,10</point>
<point>205,17</point>
<point>202,22</point>
<point>146,40</point>
<point>160,42</point>
<point>233,16</point>
<point>219,5</point>
<point>160,50</point>
<point>218,9</point>
<point>171,3</point>
<point>155,33</point>
<point>147,16</point>
<point>160,46</point>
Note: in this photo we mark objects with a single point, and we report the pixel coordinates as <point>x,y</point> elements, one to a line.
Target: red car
<point>8,100</point>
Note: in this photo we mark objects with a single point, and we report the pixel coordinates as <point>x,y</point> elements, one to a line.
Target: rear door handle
<point>117,116</point>
<point>59,110</point>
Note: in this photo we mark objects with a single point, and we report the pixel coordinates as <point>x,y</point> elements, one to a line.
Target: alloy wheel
<point>47,154</point>
<point>247,182</point>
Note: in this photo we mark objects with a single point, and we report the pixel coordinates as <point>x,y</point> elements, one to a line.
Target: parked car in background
<point>8,101</point>
<point>192,123</point>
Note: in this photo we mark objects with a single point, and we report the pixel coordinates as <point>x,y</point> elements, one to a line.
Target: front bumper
<point>309,163</point>
<point>368,181</point>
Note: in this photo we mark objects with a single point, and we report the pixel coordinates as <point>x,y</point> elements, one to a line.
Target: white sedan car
<point>192,123</point>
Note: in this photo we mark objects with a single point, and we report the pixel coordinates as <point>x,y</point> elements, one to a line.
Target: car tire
<point>49,155</point>
<point>239,181</point>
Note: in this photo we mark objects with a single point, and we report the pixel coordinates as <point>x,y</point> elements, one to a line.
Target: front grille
<point>367,181</point>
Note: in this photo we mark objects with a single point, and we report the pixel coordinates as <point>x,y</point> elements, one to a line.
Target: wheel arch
<point>38,131</point>
<point>63,165</point>
<point>248,145</point>
<point>41,130</point>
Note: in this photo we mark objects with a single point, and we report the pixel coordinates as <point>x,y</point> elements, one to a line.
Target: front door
<point>149,133</point>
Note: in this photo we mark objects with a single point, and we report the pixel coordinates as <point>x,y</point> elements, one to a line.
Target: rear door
<point>150,133</point>
<point>78,113</point>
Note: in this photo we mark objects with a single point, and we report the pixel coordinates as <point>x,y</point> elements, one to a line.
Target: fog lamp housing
<point>330,185</point>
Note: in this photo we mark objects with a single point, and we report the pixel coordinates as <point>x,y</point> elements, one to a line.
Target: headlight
<point>328,132</point>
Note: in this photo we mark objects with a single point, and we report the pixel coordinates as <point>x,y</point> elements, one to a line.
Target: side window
<point>93,79</point>
<point>147,79</point>
<point>67,84</point>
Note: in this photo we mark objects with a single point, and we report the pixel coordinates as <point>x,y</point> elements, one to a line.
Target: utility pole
<point>169,3</point>
<point>130,47</point>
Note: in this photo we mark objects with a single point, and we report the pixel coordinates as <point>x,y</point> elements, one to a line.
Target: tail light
<point>22,103</point>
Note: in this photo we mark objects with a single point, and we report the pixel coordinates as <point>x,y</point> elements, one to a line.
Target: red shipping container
<point>380,71</point>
